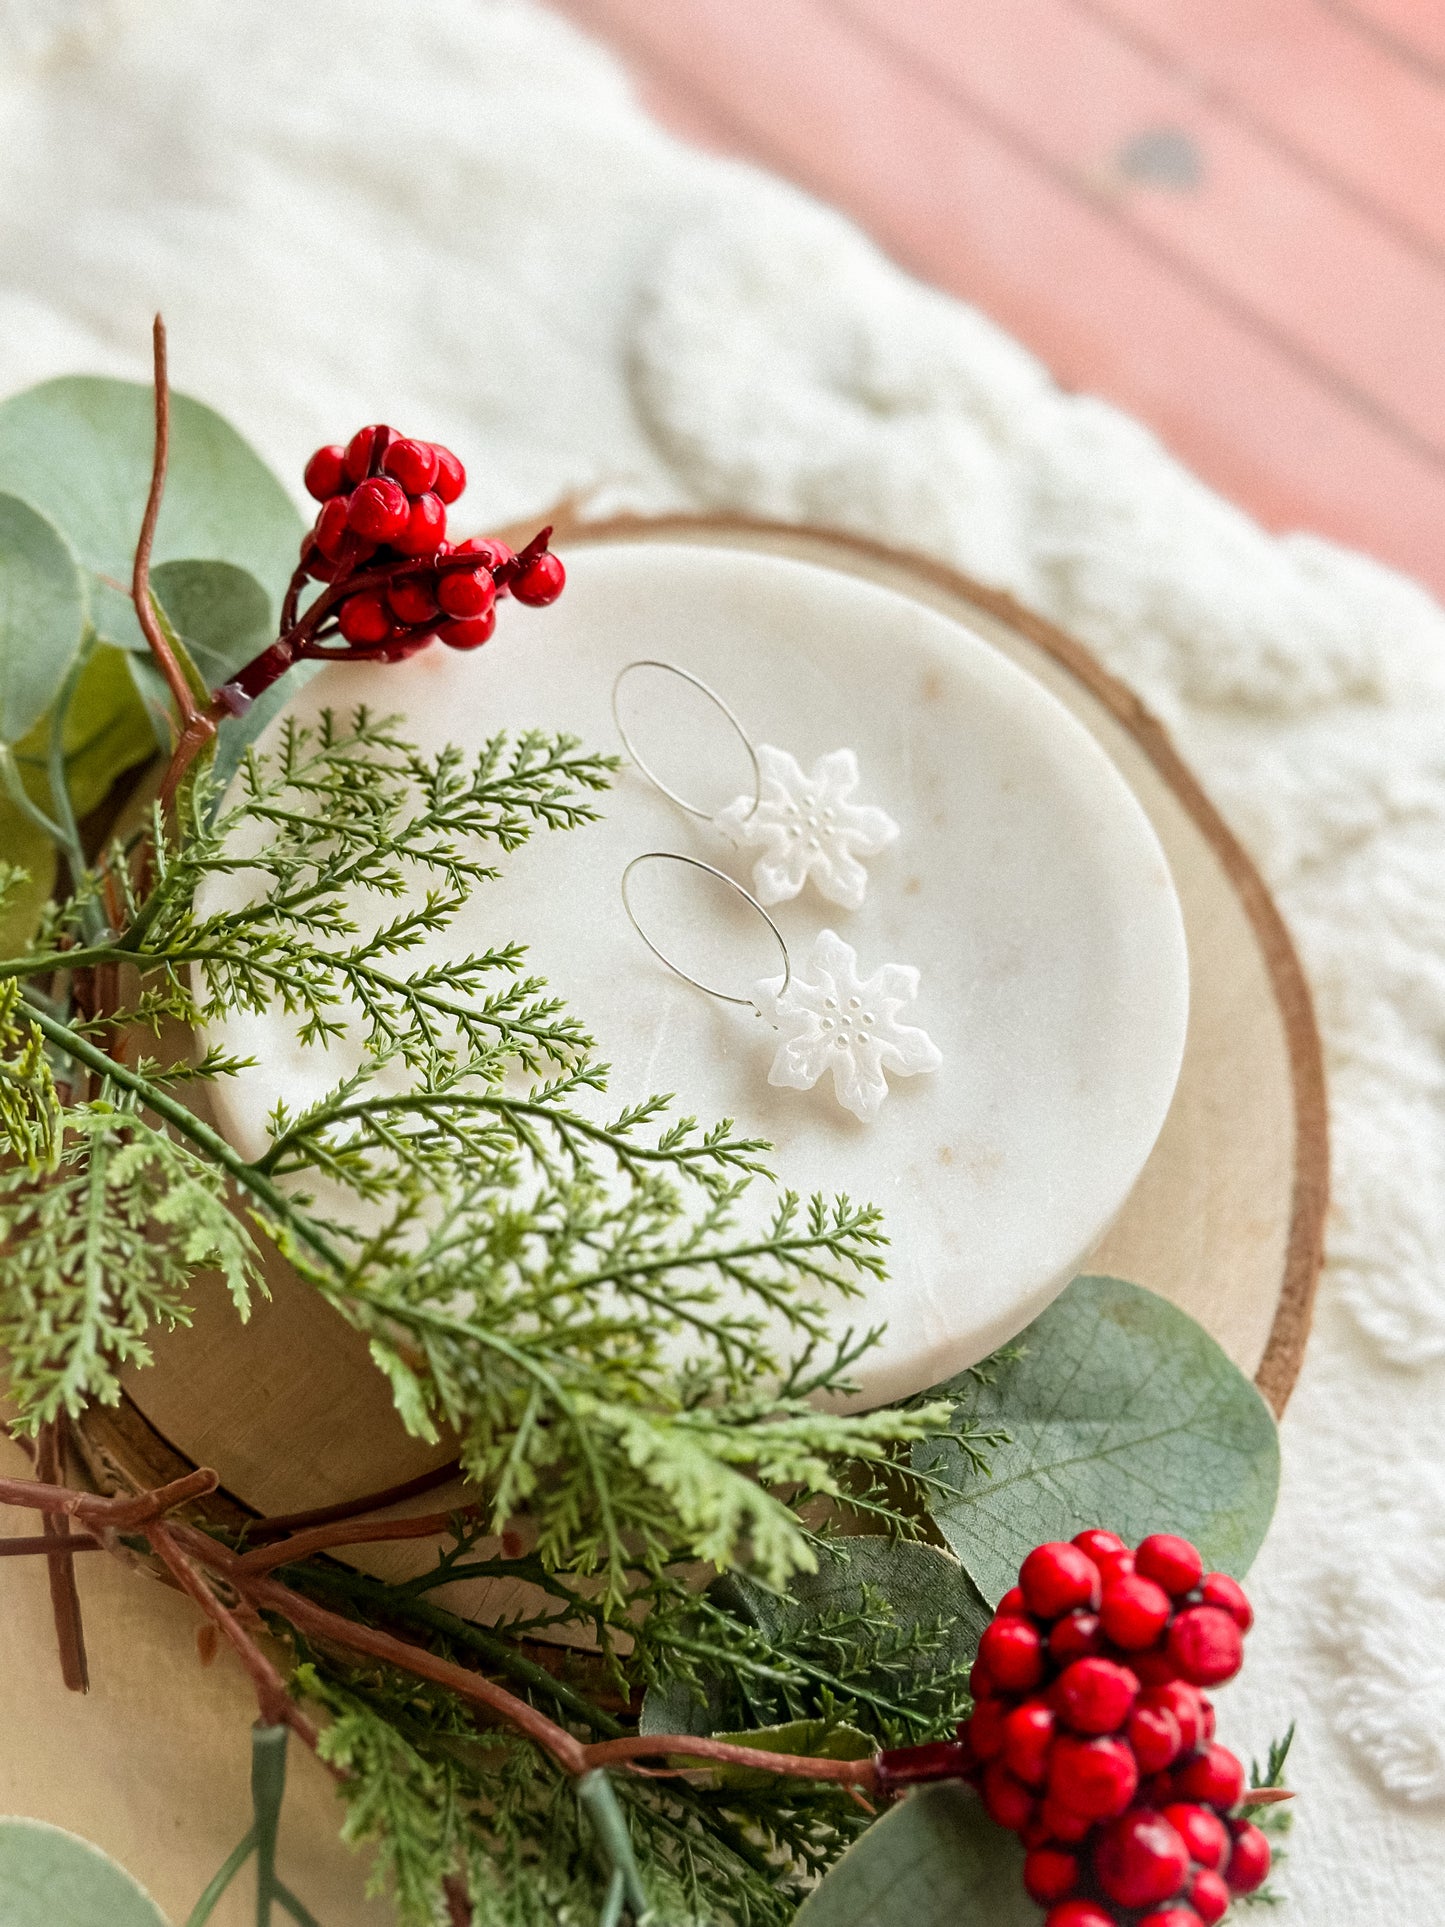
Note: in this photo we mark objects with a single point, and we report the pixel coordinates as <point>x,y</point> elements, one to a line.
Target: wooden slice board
<point>1226,1220</point>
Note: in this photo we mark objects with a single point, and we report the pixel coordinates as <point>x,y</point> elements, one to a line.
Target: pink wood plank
<point>1410,27</point>
<point>1260,232</point>
<point>961,201</point>
<point>1302,74</point>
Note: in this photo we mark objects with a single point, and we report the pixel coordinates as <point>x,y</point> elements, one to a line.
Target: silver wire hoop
<point>696,863</point>
<point>672,669</point>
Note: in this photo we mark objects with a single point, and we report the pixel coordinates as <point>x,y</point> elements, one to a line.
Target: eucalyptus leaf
<point>934,1860</point>
<point>106,732</point>
<point>78,450</point>
<point>50,1878</point>
<point>23,846</point>
<point>221,613</point>
<point>1121,1412</point>
<point>42,615</point>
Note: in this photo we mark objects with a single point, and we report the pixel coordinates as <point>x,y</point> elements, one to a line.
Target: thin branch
<point>288,1551</point>
<point>64,1598</point>
<point>646,1746</point>
<point>16,1547</point>
<point>277,1706</point>
<point>140,581</point>
<point>283,1522</point>
<point>108,1515</point>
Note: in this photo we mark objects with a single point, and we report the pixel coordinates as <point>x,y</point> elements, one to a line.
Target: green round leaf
<point>1122,1412</point>
<point>220,612</point>
<point>27,877</point>
<point>42,615</point>
<point>935,1860</point>
<point>50,1878</point>
<point>79,451</point>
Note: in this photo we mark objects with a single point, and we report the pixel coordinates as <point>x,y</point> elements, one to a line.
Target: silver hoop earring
<point>829,1018</point>
<point>804,824</point>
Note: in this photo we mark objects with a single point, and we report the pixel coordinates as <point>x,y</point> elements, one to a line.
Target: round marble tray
<point>1225,1217</point>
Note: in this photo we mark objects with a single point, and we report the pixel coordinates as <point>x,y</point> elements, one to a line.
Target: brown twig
<point>641,1746</point>
<point>16,1547</point>
<point>140,582</point>
<point>64,1596</point>
<point>276,1705</point>
<point>108,1515</point>
<point>302,1544</point>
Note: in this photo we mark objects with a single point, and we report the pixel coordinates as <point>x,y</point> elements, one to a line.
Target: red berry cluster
<point>1091,1737</point>
<point>384,501</point>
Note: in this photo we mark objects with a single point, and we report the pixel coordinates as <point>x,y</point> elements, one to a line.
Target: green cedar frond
<point>29,1107</point>
<point>101,1251</point>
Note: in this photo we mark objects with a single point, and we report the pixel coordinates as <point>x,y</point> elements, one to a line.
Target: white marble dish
<point>1027,887</point>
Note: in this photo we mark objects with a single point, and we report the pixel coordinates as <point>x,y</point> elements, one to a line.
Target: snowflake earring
<point>829,1018</point>
<point>804,824</point>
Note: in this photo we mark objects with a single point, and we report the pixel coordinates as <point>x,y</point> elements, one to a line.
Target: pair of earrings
<point>806,829</point>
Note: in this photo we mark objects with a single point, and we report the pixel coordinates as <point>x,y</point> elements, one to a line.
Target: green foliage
<point>221,612</point>
<point>935,1860</point>
<point>102,1251</point>
<point>1121,1412</point>
<point>104,733</point>
<point>42,615</point>
<point>29,1107</point>
<point>880,1637</point>
<point>78,450</point>
<point>50,1878</point>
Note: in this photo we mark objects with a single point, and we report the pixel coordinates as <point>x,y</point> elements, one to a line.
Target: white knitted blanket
<point>456,215</point>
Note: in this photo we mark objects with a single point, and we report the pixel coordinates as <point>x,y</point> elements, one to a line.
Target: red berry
<point>1214,1778</point>
<point>1140,1859</point>
<point>1008,1800</point>
<point>1175,1916</point>
<point>426,525</point>
<point>1075,1636</point>
<point>1206,1645</point>
<point>366,442</point>
<point>413,464</point>
<point>1206,1730</point>
<point>378,509</point>
<point>331,535</point>
<point>1078,1913</point>
<point>1155,1668</point>
<point>1050,1874</point>
<point>1185,1704</point>
<point>1202,1831</point>
<point>985,1728</point>
<point>1055,1578</point>
<point>412,601</point>
<point>1115,1565</point>
<point>470,633</point>
<point>1169,1560</point>
<point>451,477</point>
<point>1154,1735</point>
<point>1093,1778</point>
<point>1099,1544</point>
<point>1013,1602</point>
<point>1094,1695</point>
<point>324,474</point>
<point>466,592</point>
<point>494,553</point>
<point>1063,1823</point>
<point>313,561</point>
<point>541,582</point>
<point>1207,1895</point>
<point>981,1681</point>
<point>1135,1611</point>
<point>1013,1653</point>
<point>363,618</point>
<point>1226,1593</point>
<point>1248,1860</point>
<point>1028,1737</point>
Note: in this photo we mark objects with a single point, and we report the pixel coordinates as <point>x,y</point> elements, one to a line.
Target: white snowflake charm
<point>806,826</point>
<point>831,1019</point>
